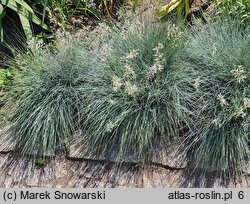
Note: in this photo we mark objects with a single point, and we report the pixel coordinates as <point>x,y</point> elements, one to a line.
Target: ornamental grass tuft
<point>220,140</point>
<point>49,93</point>
<point>142,98</point>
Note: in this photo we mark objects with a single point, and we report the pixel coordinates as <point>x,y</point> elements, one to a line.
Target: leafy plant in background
<point>60,13</point>
<point>26,15</point>
<point>237,9</point>
<point>220,142</point>
<point>68,12</point>
<point>110,5</point>
<point>141,99</point>
<point>182,8</point>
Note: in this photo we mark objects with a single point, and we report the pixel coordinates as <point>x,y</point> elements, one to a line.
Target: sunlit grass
<point>142,98</point>
<point>49,95</point>
<point>220,141</point>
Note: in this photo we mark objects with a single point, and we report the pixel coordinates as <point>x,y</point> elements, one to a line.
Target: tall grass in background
<point>236,9</point>
<point>142,98</point>
<point>220,141</point>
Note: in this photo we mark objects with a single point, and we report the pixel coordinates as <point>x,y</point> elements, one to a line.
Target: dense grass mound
<point>220,140</point>
<point>49,96</point>
<point>142,98</point>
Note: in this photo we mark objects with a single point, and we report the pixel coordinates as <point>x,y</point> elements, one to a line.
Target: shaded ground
<point>81,174</point>
<point>74,170</point>
<point>64,172</point>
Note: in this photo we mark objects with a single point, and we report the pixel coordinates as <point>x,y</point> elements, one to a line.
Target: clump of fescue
<point>49,93</point>
<point>142,98</point>
<point>220,141</point>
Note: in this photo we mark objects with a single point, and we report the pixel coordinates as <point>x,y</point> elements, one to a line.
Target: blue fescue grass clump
<point>49,93</point>
<point>220,141</point>
<point>142,98</point>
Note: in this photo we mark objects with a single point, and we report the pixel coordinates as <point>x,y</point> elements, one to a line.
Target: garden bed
<point>165,100</point>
